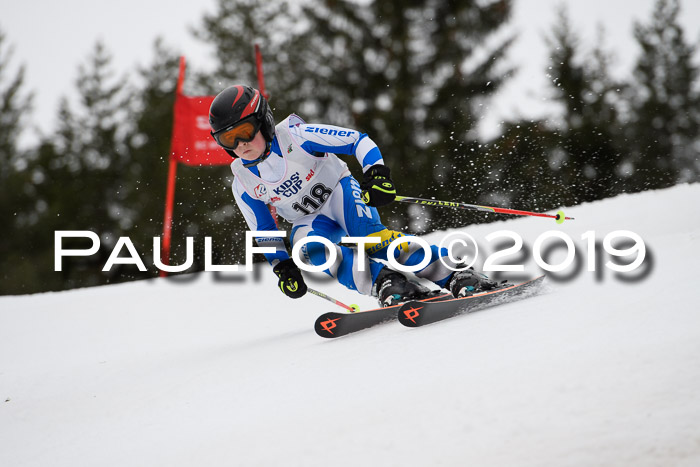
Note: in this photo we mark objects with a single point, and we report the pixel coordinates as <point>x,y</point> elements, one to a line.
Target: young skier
<point>293,166</point>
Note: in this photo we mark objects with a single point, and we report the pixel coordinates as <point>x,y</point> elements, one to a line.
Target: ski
<point>416,313</point>
<point>336,324</point>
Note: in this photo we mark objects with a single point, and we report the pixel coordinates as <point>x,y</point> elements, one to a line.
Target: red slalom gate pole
<point>259,69</point>
<point>170,192</point>
<point>168,217</point>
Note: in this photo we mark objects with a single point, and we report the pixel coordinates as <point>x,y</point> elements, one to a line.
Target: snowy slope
<point>230,372</point>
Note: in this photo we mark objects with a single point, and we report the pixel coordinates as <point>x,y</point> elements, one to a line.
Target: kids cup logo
<point>289,187</point>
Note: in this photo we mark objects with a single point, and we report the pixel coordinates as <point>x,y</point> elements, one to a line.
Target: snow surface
<point>227,371</point>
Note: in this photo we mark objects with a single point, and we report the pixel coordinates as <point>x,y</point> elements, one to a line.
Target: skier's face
<point>253,149</point>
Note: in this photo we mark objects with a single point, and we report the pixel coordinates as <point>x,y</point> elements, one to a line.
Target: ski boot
<point>392,288</point>
<point>468,282</point>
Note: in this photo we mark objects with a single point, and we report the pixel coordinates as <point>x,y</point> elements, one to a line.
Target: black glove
<point>290,280</point>
<point>377,187</point>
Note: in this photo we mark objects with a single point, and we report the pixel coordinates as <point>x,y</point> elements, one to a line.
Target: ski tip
<point>409,313</point>
<point>326,324</point>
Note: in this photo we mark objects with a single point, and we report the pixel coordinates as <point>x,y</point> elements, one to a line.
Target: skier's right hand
<point>291,283</point>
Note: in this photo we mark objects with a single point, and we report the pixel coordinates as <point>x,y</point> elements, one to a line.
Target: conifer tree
<point>589,137</point>
<point>15,104</point>
<point>665,116</point>
<point>149,143</point>
<point>408,74</point>
<point>234,28</point>
<point>84,168</point>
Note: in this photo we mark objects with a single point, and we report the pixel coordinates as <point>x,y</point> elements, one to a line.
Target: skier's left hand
<point>290,280</point>
<point>377,187</point>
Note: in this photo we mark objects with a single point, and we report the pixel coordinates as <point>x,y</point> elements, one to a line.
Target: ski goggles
<point>240,132</point>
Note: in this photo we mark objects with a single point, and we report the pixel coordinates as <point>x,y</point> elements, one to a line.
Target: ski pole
<point>560,217</point>
<point>351,308</point>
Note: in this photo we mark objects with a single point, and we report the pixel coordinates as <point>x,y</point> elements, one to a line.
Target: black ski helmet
<point>236,103</point>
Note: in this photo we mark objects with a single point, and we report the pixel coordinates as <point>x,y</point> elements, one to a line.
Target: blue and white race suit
<point>313,189</point>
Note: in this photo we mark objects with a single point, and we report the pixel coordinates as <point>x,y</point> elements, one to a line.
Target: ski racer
<point>293,166</point>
